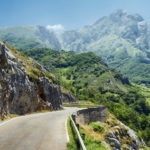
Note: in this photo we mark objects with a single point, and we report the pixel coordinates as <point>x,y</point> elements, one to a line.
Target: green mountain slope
<point>90,79</point>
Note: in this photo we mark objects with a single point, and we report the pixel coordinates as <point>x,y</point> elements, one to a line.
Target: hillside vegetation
<point>121,38</point>
<point>89,78</point>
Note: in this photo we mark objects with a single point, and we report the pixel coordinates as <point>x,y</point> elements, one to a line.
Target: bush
<point>97,126</point>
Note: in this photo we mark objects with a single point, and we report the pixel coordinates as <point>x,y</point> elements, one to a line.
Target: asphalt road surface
<point>44,131</point>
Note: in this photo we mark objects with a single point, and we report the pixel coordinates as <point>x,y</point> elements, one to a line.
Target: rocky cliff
<point>66,97</point>
<point>25,86</point>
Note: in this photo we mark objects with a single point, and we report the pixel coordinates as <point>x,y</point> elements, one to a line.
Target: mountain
<point>90,79</point>
<point>122,39</point>
<point>120,28</point>
<point>29,36</point>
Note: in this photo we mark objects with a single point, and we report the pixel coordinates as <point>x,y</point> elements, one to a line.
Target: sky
<point>65,14</point>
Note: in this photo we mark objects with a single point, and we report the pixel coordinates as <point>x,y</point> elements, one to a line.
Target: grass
<point>73,143</point>
<point>80,104</point>
<point>96,132</point>
<point>92,139</point>
<point>86,103</point>
<point>97,126</point>
<point>10,116</point>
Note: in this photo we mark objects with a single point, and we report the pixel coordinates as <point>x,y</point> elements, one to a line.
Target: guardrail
<point>78,134</point>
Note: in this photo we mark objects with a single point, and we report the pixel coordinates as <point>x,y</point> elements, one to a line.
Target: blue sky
<point>68,14</point>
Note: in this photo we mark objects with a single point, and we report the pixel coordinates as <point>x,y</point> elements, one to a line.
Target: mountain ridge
<point>122,39</point>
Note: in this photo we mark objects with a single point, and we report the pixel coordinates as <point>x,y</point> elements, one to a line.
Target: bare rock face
<point>123,137</point>
<point>66,97</point>
<point>20,95</point>
<point>50,93</point>
<point>119,136</point>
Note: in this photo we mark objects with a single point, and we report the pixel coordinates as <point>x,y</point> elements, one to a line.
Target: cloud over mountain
<point>55,27</point>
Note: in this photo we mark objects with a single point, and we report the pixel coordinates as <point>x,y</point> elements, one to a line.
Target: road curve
<point>45,131</point>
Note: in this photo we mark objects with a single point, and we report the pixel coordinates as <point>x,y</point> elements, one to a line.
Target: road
<point>44,131</point>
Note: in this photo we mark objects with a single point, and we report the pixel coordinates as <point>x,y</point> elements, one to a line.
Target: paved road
<point>44,131</point>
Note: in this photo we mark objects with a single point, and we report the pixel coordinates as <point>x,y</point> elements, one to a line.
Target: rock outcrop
<point>119,136</point>
<point>21,91</point>
<point>66,97</point>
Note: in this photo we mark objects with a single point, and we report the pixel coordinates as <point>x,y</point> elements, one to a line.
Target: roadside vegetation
<point>73,139</point>
<point>80,104</point>
<point>88,78</point>
<point>96,135</point>
<point>9,117</point>
<point>92,144</point>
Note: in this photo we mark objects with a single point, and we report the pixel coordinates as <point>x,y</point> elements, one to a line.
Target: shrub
<point>97,126</point>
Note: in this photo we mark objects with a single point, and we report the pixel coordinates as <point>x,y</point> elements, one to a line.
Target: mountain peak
<point>122,14</point>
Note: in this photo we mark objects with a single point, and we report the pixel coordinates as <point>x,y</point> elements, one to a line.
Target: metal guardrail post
<point>78,134</point>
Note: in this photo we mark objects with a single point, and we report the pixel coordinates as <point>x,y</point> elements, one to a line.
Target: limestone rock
<point>66,97</point>
<point>19,94</point>
<point>117,144</point>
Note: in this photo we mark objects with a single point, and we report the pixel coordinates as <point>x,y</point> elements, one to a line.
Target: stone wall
<point>89,115</point>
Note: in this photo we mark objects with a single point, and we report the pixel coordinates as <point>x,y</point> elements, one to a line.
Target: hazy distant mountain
<point>29,36</point>
<point>122,39</point>
<point>120,30</point>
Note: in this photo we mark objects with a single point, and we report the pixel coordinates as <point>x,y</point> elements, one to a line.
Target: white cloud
<point>55,27</point>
